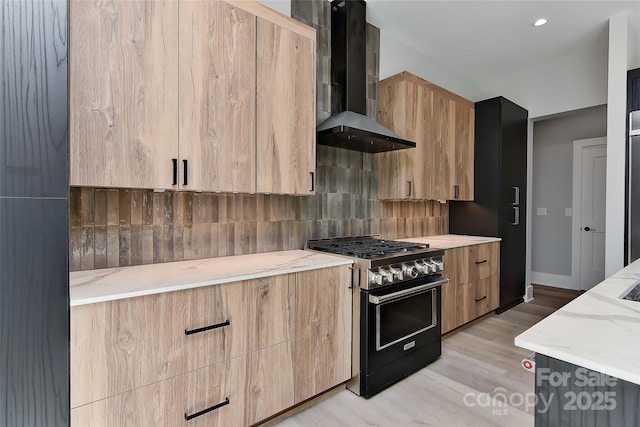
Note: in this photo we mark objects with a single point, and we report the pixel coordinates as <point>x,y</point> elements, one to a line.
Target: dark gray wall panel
<point>34,313</point>
<point>579,397</point>
<point>33,120</point>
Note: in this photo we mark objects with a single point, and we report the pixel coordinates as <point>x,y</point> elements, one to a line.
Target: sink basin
<point>634,293</point>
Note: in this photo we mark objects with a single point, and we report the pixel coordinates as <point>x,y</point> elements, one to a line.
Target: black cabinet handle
<point>184,166</point>
<point>409,188</point>
<point>456,191</point>
<point>313,181</point>
<point>480,299</point>
<point>206,328</point>
<point>481,262</point>
<point>175,171</point>
<point>204,411</point>
<point>587,229</point>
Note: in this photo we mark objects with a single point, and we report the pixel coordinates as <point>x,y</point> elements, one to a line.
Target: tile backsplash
<point>119,227</point>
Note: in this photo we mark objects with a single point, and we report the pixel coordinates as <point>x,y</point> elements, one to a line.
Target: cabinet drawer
<point>487,295</point>
<point>484,261</point>
<point>165,403</point>
<point>117,346</point>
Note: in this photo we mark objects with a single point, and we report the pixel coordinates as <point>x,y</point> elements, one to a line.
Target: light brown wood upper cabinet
<point>406,107</point>
<point>286,153</point>
<point>218,96</point>
<point>464,151</point>
<point>208,96</point>
<point>123,93</point>
<point>441,125</point>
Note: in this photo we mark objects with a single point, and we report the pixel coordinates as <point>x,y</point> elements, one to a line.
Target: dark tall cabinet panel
<point>34,188</point>
<point>499,208</point>
<point>632,180</point>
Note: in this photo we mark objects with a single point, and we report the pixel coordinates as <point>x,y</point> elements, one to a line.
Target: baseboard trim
<point>555,280</point>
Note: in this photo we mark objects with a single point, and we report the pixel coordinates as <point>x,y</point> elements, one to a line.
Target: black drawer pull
<point>313,181</point>
<point>480,299</point>
<point>175,171</point>
<point>184,164</point>
<point>481,262</point>
<point>207,328</point>
<point>204,411</point>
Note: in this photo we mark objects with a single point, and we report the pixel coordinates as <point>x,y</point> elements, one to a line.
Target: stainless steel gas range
<point>396,308</point>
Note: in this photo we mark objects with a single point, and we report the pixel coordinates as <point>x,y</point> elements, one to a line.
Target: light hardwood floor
<point>479,368</point>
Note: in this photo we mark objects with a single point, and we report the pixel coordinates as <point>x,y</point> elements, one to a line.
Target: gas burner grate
<point>368,248</point>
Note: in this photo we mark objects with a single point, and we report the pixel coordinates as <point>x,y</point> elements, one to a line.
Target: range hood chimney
<point>349,127</point>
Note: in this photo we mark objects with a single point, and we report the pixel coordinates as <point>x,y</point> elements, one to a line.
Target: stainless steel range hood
<point>349,127</point>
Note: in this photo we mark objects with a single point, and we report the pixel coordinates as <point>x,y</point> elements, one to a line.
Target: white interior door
<point>592,215</point>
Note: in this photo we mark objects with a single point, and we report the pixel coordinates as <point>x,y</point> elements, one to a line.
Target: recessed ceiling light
<point>540,22</point>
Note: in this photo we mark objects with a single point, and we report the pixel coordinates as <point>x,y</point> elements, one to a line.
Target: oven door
<point>401,319</point>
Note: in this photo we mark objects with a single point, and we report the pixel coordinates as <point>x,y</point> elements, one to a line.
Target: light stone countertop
<point>450,241</point>
<point>92,286</point>
<point>597,330</point>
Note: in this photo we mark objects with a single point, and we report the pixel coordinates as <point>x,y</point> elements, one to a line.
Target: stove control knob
<point>439,265</point>
<point>429,266</point>
<point>387,276</point>
<point>410,270</point>
<point>395,273</point>
<point>375,278</point>
<point>421,265</point>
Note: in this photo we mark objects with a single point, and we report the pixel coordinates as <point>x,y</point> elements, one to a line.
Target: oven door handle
<point>377,300</point>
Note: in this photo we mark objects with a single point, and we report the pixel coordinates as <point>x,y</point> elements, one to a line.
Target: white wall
<point>574,82</point>
<point>633,49</point>
<point>396,56</point>
<point>552,189</point>
<point>282,6</point>
<point>616,142</point>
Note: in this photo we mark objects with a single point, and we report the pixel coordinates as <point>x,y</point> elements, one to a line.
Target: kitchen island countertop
<point>92,286</point>
<point>450,241</point>
<point>597,330</point>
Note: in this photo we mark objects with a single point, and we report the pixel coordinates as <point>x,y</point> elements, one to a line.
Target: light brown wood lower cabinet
<point>120,345</point>
<point>474,289</point>
<point>323,330</point>
<point>277,341</point>
<point>165,403</point>
<point>270,383</point>
<point>270,309</point>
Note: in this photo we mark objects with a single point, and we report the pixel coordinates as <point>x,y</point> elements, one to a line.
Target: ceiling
<point>482,39</point>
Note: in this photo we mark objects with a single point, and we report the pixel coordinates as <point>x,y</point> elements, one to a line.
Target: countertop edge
<point>597,330</point>
<point>452,241</point>
<point>79,301</point>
